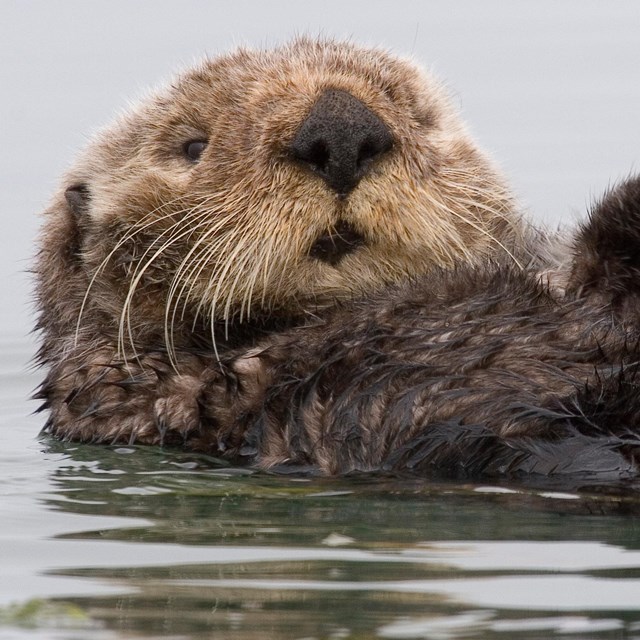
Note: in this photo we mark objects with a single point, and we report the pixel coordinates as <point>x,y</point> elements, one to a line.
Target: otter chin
<point>257,192</point>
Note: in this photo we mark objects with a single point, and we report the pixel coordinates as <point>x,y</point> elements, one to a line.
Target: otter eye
<point>193,149</point>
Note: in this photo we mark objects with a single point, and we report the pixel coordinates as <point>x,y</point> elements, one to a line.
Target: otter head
<point>265,185</point>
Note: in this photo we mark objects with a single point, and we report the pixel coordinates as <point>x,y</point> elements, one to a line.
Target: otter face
<point>273,183</point>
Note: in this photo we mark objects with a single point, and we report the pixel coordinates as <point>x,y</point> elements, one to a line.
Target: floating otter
<point>300,258</point>
<point>256,193</point>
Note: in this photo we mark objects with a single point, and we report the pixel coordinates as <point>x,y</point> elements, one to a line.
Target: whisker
<point>126,238</point>
<point>476,225</point>
<point>141,269</point>
<point>184,276</point>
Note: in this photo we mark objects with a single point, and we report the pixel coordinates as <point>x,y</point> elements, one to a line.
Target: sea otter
<point>254,194</point>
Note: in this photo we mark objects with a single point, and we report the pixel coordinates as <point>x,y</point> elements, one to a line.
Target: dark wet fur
<point>463,373</point>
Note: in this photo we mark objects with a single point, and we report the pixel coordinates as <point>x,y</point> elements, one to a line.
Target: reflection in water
<point>213,551</point>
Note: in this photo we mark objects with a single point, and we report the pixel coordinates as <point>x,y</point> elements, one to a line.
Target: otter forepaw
<point>607,247</point>
<point>177,415</point>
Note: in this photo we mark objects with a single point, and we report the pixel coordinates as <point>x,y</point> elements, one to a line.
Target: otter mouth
<point>336,243</point>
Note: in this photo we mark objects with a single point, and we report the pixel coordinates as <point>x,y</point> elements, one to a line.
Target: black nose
<point>340,139</point>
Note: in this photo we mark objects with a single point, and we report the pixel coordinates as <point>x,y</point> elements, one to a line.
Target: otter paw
<point>177,414</point>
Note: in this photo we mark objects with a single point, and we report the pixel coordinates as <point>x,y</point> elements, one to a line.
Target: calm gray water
<point>123,543</point>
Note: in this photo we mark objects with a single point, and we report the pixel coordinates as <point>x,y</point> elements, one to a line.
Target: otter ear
<point>607,246</point>
<point>78,197</point>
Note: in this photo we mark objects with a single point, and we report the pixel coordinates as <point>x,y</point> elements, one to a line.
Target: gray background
<point>549,87</point>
